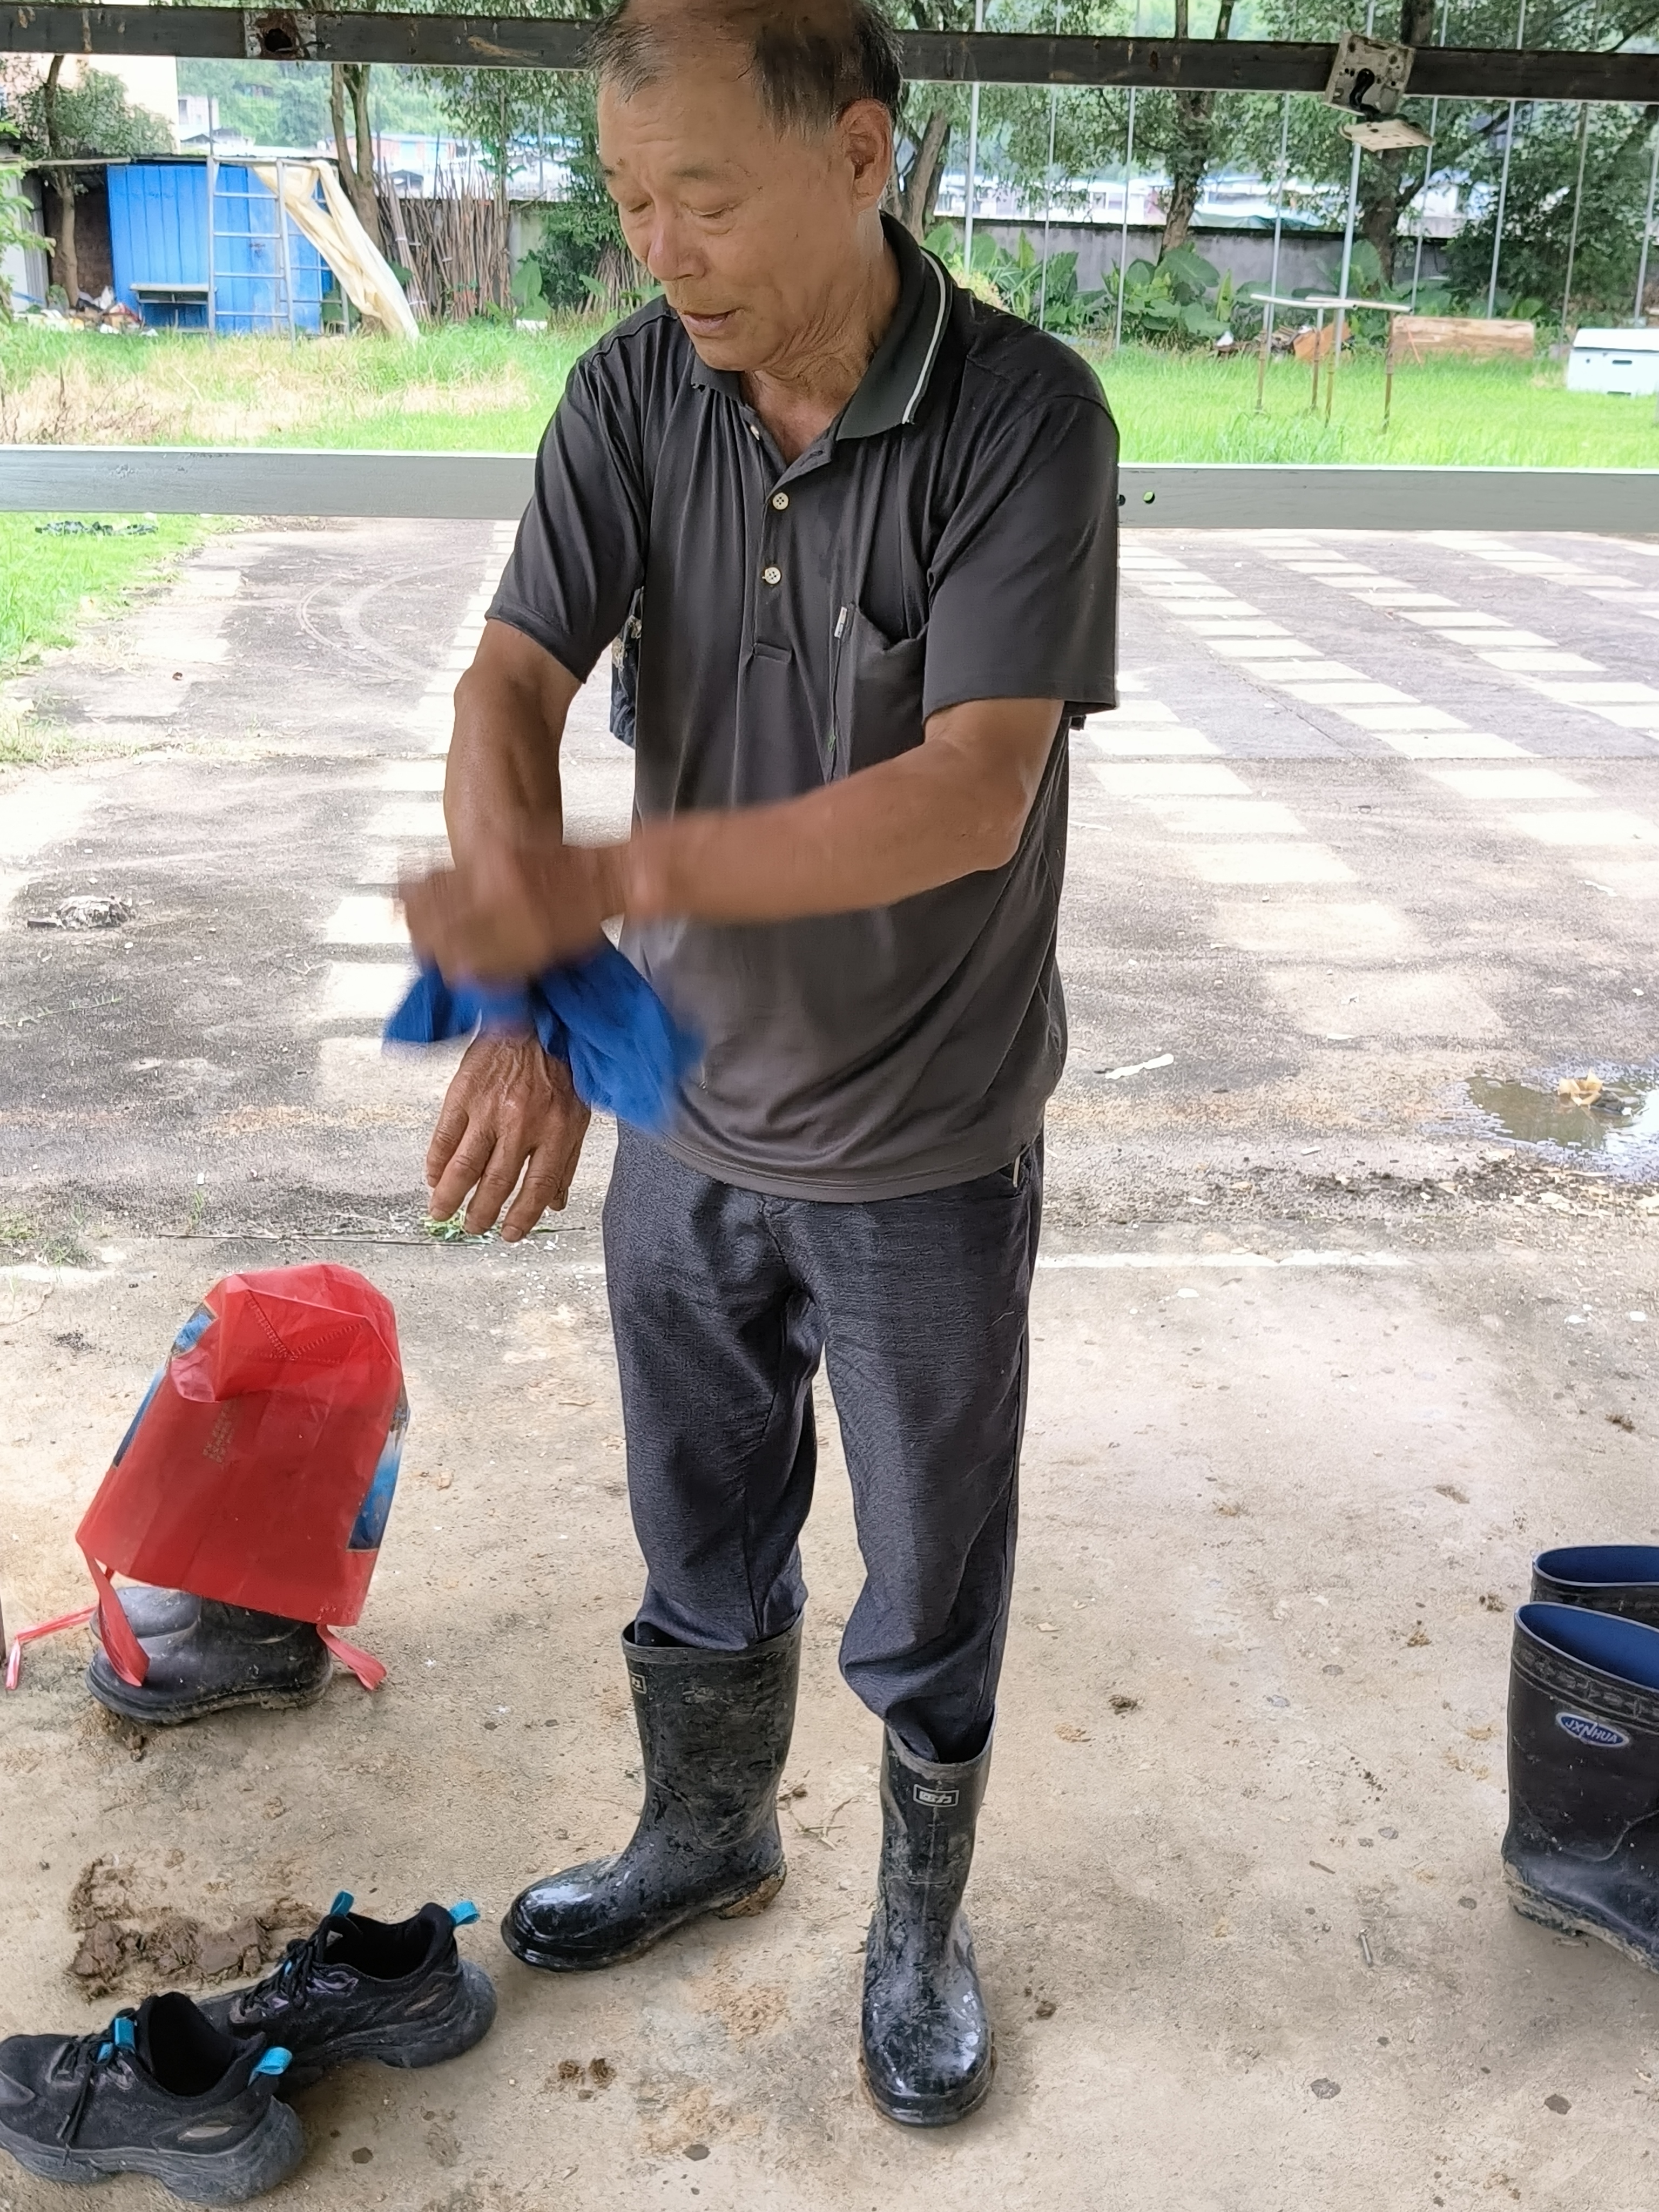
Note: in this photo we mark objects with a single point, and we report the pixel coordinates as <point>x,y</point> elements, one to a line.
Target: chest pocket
<point>876,689</point>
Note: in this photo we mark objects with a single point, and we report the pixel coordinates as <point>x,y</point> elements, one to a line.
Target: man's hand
<point>510,1107</point>
<point>527,907</point>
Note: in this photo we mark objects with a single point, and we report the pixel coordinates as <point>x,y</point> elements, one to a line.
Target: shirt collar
<point>896,383</point>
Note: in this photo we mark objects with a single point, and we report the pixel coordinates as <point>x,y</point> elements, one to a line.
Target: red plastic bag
<point>260,1468</point>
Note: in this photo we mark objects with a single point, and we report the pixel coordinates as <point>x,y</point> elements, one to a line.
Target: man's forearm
<point>949,808</point>
<point>502,784</point>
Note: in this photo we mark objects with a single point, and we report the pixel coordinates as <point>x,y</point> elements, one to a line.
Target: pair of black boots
<point>714,1728</point>
<point>1582,1852</point>
<point>191,2094</point>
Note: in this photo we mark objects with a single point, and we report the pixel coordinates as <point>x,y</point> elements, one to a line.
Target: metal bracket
<point>1369,76</point>
<point>279,34</point>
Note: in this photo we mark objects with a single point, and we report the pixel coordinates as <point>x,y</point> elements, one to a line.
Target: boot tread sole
<point>1546,1912</point>
<point>744,1906</point>
<point>933,2111</point>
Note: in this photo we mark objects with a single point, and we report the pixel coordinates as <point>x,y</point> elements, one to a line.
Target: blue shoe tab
<point>121,2032</point>
<point>343,1902</point>
<point>105,2052</point>
<point>464,1913</point>
<point>275,2060</point>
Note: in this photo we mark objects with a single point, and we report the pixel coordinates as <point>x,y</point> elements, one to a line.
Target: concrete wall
<point>1305,258</point>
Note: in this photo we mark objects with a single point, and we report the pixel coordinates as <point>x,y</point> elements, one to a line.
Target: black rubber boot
<point>225,1655</point>
<point>1621,1578</point>
<point>714,1728</point>
<point>927,2055</point>
<point>1582,1853</point>
<point>151,1610</point>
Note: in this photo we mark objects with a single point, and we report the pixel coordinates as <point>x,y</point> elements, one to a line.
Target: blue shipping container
<point>160,250</point>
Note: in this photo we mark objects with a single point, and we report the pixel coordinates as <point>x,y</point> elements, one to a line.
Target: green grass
<point>49,585</point>
<point>1190,407</point>
<point>483,387</point>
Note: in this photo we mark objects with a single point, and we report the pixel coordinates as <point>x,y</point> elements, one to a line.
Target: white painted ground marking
<point>412,776</point>
<point>1183,1262</point>
<point>409,817</point>
<point>1268,864</point>
<point>1433,745</point>
<point>366,919</point>
<point>363,990</point>
<point>1610,827</point>
<point>1524,655</point>
<point>1225,817</point>
<point>1166,779</point>
<point>1510,783</point>
<point>1138,740</point>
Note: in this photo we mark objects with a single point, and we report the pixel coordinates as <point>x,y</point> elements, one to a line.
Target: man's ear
<point>866,135</point>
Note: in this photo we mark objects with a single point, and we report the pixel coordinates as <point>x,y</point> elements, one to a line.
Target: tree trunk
<point>354,149</point>
<point>1194,143</point>
<point>66,268</point>
<point>921,186</point>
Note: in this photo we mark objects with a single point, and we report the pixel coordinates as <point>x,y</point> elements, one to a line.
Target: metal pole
<point>212,177</point>
<point>1637,319</point>
<point>1577,208</point>
<point>288,256</point>
<point>1319,333</point>
<point>1504,181</point>
<point>1423,199</point>
<point>973,157</point>
<point>1048,195</point>
<point>1278,232</point>
<point>1428,173</point>
<point>1347,246</point>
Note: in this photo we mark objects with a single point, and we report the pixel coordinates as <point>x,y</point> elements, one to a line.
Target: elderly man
<point>856,532</point>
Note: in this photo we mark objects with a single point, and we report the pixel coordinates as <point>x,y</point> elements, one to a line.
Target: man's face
<point>750,231</point>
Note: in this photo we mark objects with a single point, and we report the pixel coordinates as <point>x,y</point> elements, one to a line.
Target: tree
<point>56,121</point>
<point>1193,138</point>
<point>355,150</point>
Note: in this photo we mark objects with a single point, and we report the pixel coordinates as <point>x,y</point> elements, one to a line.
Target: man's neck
<point>799,397</point>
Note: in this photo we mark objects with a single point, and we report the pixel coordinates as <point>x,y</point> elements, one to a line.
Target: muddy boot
<point>714,1728</point>
<point>928,2057</point>
<point>1606,1577</point>
<point>1582,1853</point>
<point>154,1612</point>
<point>225,1656</point>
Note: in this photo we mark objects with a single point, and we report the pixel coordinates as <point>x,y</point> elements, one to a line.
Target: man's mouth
<point>704,324</point>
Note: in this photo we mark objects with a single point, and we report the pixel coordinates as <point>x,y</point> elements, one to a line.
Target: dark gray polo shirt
<point>952,536</point>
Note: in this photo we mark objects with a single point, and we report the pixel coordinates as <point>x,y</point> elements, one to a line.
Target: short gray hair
<point>809,60</point>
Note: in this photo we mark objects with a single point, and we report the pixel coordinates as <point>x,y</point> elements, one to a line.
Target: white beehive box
<point>1615,360</point>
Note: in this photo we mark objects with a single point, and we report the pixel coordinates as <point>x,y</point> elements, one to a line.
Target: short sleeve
<point>580,554</point>
<point>1023,596</point>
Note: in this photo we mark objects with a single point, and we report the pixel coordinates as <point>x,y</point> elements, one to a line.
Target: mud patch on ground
<point>744,2009</point>
<point>125,1946</point>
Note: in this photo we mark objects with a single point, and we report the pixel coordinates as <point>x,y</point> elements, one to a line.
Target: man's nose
<point>670,253</point>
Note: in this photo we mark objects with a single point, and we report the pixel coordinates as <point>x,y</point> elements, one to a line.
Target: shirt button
<point>771,576</point>
<point>779,500</point>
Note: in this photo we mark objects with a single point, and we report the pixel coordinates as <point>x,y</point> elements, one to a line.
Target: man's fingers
<point>494,1186</point>
<point>467,1163</point>
<point>546,1188</point>
<point>449,1128</point>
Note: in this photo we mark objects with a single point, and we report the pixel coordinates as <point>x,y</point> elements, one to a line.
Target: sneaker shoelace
<point>85,2058</point>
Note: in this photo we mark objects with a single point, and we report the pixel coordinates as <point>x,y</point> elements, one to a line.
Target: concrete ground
<point>1328,1344</point>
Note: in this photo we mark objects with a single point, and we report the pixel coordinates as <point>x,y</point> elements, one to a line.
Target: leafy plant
<point>1182,300</point>
<point>1025,282</point>
<point>16,227</point>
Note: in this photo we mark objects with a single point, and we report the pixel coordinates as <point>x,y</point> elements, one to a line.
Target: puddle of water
<point>1621,1123</point>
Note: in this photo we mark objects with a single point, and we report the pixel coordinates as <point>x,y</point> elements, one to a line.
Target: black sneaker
<point>162,2092</point>
<point>356,1988</point>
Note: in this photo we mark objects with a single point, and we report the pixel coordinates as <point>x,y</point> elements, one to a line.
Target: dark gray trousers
<point>723,1302</point>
